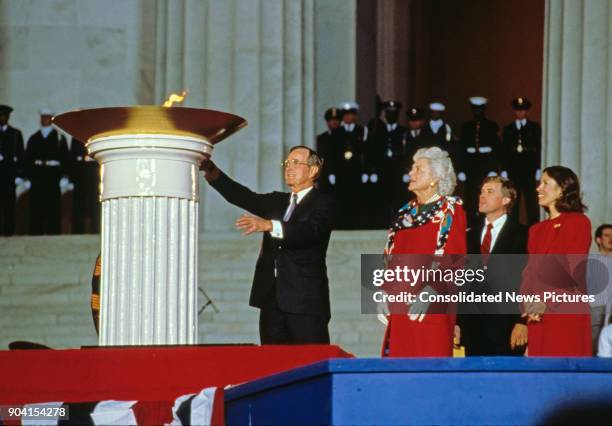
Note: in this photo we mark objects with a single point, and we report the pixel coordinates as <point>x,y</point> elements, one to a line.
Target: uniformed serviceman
<point>479,150</point>
<point>11,170</point>
<point>352,175</point>
<point>84,173</point>
<point>437,126</point>
<point>46,156</point>
<point>327,146</point>
<point>522,148</point>
<point>384,150</point>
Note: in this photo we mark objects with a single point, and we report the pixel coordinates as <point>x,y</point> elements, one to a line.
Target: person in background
<point>11,170</point>
<point>432,223</point>
<point>84,174</point>
<point>479,150</point>
<point>352,176</point>
<point>384,152</point>
<point>522,148</point>
<point>46,159</point>
<point>599,282</point>
<point>558,329</point>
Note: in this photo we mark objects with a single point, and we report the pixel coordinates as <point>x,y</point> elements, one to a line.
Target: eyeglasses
<point>294,162</point>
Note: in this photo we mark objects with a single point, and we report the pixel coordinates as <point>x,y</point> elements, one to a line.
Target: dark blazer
<point>486,329</point>
<point>301,284</point>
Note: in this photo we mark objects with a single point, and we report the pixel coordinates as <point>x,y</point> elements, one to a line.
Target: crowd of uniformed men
<point>366,167</point>
<point>45,167</point>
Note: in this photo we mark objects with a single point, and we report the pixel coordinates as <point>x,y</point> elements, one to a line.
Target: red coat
<point>558,334</point>
<point>433,337</point>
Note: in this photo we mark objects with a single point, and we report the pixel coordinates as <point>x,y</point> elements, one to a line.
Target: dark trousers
<point>277,327</point>
<point>486,335</point>
<point>8,202</point>
<point>45,203</point>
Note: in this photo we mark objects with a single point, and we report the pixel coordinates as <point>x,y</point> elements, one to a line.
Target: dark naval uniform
<point>522,149</point>
<point>46,161</point>
<point>11,167</point>
<point>351,139</point>
<point>85,175</point>
<point>479,149</point>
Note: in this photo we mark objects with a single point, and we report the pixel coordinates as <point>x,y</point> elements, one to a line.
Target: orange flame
<point>174,98</point>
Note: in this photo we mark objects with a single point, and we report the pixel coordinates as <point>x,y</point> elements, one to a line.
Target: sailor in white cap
<point>522,143</point>
<point>352,173</point>
<point>11,170</point>
<point>479,150</point>
<point>437,126</point>
<point>46,155</point>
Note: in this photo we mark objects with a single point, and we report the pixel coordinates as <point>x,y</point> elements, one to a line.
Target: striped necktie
<point>289,211</point>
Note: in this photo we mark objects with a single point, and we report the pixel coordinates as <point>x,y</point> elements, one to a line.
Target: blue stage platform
<point>455,391</point>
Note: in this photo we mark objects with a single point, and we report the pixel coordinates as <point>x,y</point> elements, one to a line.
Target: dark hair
<point>601,228</point>
<point>314,159</point>
<point>571,198</point>
<point>507,189</point>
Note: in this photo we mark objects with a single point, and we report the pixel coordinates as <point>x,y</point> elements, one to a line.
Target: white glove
<point>461,176</point>
<point>492,173</point>
<point>332,179</point>
<point>538,175</point>
<point>364,178</point>
<point>504,174</point>
<point>1,157</point>
<point>406,178</point>
<point>382,309</point>
<point>418,309</point>
<point>18,181</point>
<point>471,150</point>
<point>373,178</point>
<point>64,185</point>
<point>485,149</point>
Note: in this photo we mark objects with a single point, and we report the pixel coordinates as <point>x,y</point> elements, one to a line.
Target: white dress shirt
<point>435,125</point>
<point>391,127</point>
<point>497,226</point>
<point>348,127</point>
<point>520,123</point>
<point>277,227</point>
<point>46,130</point>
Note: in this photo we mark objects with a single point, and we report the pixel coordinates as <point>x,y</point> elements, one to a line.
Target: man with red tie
<point>290,286</point>
<point>491,329</point>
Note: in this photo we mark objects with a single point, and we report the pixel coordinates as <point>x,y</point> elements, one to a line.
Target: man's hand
<point>250,224</point>
<point>518,337</point>
<point>211,172</point>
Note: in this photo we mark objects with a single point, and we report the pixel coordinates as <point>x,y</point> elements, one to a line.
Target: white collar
<point>301,194</point>
<point>497,223</point>
<point>391,127</point>
<point>348,127</point>
<point>520,123</point>
<point>46,130</point>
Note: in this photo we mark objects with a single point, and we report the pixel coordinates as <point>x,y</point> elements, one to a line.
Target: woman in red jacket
<point>558,329</point>
<point>433,223</point>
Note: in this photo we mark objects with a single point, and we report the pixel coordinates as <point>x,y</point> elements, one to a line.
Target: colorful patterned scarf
<point>440,211</point>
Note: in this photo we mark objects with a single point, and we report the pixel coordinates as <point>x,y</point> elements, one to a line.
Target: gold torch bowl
<point>90,124</point>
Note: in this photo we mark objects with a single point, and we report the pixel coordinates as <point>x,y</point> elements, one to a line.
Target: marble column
<point>278,63</point>
<point>577,97</point>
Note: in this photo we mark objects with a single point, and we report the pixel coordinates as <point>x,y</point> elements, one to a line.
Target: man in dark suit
<point>11,170</point>
<point>290,286</point>
<point>496,328</point>
<point>522,148</point>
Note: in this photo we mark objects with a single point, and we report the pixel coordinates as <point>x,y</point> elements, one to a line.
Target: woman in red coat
<point>558,329</point>
<point>433,223</point>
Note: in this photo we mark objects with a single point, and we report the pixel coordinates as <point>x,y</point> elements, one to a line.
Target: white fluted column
<point>577,101</point>
<point>149,199</point>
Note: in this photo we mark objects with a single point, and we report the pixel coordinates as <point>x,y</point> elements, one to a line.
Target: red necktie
<point>485,246</point>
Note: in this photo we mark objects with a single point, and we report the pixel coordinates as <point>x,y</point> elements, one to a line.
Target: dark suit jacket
<point>486,329</point>
<point>301,284</point>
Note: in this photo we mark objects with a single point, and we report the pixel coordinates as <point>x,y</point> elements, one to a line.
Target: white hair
<point>441,167</point>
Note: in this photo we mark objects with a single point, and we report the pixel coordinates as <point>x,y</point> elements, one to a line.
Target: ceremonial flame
<point>174,98</point>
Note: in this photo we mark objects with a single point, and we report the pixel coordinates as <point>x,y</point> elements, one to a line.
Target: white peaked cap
<point>349,105</point>
<point>478,100</point>
<point>45,111</point>
<point>437,106</point>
